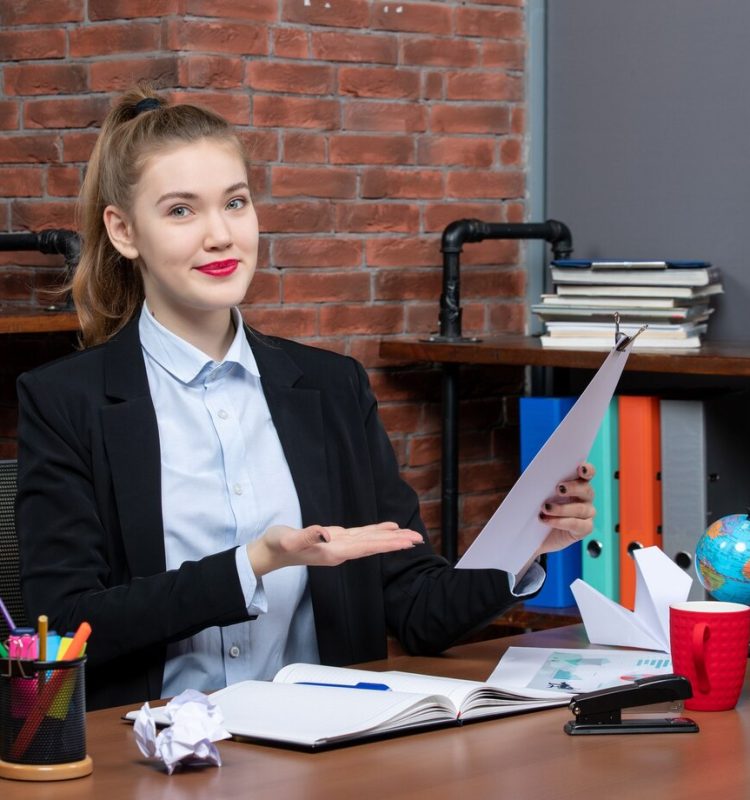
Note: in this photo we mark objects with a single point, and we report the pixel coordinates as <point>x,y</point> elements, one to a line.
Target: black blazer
<point>90,525</point>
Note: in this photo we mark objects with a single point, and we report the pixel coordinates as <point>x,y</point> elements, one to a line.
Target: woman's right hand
<point>326,546</point>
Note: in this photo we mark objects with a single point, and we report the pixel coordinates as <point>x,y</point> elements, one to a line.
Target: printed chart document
<point>514,532</point>
<point>573,671</point>
<point>313,706</point>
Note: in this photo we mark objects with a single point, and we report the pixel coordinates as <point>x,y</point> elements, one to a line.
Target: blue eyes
<point>182,212</point>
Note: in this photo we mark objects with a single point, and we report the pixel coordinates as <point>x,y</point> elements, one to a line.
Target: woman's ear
<point>120,232</point>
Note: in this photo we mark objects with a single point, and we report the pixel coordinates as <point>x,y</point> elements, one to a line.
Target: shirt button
<point>237,488</point>
<point>223,414</point>
<point>234,651</point>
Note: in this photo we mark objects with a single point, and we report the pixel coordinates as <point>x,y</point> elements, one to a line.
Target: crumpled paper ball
<point>195,723</point>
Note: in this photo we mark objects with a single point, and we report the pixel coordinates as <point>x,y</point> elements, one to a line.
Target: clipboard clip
<point>622,340</point>
<point>600,712</point>
<point>17,668</point>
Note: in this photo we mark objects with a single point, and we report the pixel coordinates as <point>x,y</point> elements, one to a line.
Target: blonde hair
<point>107,287</point>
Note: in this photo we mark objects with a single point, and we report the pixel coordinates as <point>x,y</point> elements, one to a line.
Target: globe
<point>722,559</point>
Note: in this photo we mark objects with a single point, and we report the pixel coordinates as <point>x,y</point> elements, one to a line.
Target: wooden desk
<point>527,757</point>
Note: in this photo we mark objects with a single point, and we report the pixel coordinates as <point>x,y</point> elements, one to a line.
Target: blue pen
<point>379,687</point>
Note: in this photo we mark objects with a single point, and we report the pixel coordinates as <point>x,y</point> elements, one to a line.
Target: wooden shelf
<point>537,618</point>
<point>519,619</point>
<point>725,360</point>
<point>713,358</point>
<point>36,320</point>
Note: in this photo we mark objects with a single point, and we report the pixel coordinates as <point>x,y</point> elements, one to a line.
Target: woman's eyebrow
<point>180,195</point>
<point>177,196</point>
<point>237,186</point>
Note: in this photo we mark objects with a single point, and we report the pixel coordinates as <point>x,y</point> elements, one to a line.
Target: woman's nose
<point>218,234</point>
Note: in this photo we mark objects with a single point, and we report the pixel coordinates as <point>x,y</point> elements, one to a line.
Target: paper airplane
<point>659,582</point>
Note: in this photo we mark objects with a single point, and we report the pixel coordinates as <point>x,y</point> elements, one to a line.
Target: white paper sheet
<point>514,532</point>
<point>659,582</point>
<point>195,723</point>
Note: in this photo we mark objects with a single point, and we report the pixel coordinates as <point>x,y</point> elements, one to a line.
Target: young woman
<point>215,502</point>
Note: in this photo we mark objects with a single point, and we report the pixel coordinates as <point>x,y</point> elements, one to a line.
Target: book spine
<point>668,277</point>
<point>539,417</point>
<point>605,343</point>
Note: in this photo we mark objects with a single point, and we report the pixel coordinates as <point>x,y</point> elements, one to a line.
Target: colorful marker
<point>49,695</point>
<point>62,647</point>
<point>53,645</point>
<point>23,643</point>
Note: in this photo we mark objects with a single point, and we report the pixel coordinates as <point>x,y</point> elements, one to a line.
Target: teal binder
<point>600,551</point>
<point>539,416</point>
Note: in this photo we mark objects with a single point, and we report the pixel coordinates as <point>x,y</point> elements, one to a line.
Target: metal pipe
<point>462,231</point>
<point>58,240</point>
<point>455,235</point>
<point>53,241</point>
<point>449,500</point>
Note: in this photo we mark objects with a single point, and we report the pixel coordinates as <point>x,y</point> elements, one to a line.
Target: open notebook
<point>313,706</point>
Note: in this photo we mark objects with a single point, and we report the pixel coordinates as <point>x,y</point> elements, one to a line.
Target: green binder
<point>601,558</point>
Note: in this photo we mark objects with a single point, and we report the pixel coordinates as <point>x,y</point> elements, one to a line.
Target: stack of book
<point>673,298</point>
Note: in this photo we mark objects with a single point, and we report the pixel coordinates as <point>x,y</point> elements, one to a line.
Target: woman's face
<point>193,230</point>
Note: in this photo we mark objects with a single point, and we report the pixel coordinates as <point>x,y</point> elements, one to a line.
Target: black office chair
<point>10,586</point>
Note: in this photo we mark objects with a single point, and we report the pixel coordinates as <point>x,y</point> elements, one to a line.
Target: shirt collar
<point>183,360</point>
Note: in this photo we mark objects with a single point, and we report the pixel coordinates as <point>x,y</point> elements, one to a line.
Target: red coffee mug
<point>709,642</point>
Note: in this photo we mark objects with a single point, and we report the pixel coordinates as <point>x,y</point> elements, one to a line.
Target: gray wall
<point>648,145</point>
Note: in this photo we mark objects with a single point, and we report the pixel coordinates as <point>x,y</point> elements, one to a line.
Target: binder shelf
<point>726,359</point>
<point>36,320</point>
<point>713,358</point>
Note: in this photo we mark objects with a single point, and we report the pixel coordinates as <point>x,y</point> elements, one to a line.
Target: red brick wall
<point>373,125</point>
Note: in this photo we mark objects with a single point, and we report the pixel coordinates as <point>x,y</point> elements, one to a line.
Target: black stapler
<point>601,711</point>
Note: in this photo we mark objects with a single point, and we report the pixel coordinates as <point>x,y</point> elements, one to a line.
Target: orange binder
<point>640,485</point>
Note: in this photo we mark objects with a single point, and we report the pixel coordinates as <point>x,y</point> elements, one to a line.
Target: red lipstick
<point>219,269</point>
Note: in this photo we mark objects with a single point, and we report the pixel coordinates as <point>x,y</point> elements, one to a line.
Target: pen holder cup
<point>43,720</point>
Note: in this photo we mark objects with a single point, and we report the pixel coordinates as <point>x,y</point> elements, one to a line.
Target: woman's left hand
<point>570,514</point>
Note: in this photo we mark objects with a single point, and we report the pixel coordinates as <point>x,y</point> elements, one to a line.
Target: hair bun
<point>147,104</point>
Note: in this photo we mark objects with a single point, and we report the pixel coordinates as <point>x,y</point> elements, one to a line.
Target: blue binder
<point>600,550</point>
<point>539,416</point>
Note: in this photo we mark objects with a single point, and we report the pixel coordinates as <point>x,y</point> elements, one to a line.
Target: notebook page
<point>455,689</point>
<point>311,715</point>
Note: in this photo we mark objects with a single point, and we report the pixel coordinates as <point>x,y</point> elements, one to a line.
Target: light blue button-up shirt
<point>224,481</point>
